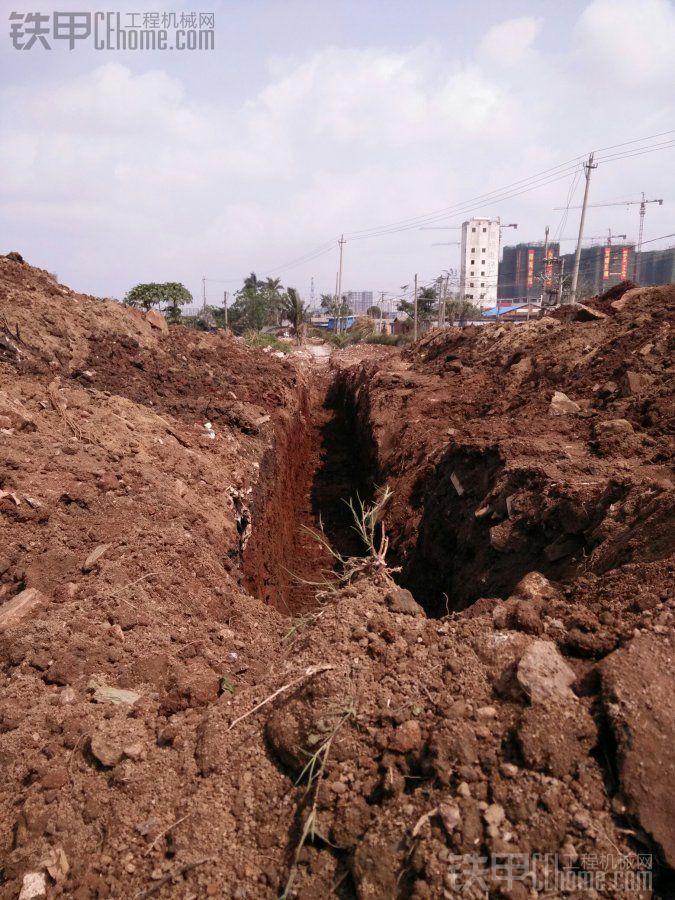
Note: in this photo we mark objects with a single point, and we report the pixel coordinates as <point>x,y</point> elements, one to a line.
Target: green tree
<point>257,304</point>
<point>374,312</point>
<point>250,310</point>
<point>461,311</point>
<point>251,282</point>
<point>294,309</point>
<point>363,327</point>
<point>171,293</point>
<point>426,306</point>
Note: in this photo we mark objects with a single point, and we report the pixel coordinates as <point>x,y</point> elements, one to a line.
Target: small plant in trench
<point>369,525</point>
<point>312,775</point>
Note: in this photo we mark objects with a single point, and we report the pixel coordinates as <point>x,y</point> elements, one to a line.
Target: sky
<point>310,119</point>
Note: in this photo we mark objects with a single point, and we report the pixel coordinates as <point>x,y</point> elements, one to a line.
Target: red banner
<point>530,268</point>
<point>548,268</point>
<point>605,270</point>
<point>624,263</point>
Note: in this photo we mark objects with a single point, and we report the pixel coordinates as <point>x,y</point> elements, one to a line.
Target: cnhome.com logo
<point>113,30</point>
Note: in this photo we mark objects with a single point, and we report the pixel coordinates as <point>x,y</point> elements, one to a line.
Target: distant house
<point>402,326</point>
<point>518,312</point>
<point>341,324</point>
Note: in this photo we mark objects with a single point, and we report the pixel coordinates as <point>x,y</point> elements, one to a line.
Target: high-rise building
<point>523,272</point>
<point>601,267</point>
<point>480,261</point>
<point>359,301</point>
<point>657,266</point>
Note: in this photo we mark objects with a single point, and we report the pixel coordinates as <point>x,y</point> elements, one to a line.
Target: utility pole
<point>341,242</point>
<point>415,311</point>
<point>561,276</point>
<point>439,295</point>
<point>203,293</point>
<point>588,167</point>
<point>225,306</point>
<point>382,293</point>
<point>543,280</point>
<point>643,210</point>
<point>445,296</point>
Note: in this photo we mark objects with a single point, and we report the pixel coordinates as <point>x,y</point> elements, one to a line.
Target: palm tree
<point>294,309</point>
<point>251,282</point>
<point>273,285</point>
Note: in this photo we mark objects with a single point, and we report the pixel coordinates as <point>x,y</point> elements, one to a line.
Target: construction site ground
<point>194,702</point>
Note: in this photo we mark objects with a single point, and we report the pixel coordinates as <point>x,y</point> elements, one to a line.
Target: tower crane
<point>643,209</point>
<point>608,238</point>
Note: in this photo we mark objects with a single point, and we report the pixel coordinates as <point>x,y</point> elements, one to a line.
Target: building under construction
<point>527,270</point>
<point>657,267</point>
<point>601,267</point>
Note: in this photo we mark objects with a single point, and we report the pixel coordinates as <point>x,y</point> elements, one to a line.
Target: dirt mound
<point>614,293</point>
<point>166,729</point>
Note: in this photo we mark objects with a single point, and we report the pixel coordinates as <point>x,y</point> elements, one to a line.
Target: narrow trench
<point>323,460</point>
<point>308,479</point>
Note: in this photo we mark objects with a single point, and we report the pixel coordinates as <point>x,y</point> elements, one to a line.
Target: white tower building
<point>480,262</point>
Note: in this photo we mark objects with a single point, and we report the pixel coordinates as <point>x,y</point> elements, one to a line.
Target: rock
<point>15,412</point>
<point>34,886</point>
<point>527,618</point>
<point>614,426</point>
<point>582,313</point>
<point>544,675</point>
<point>561,405</point>
<point>55,778</point>
<point>407,737</point>
<point>57,865</point>
<point>457,484</point>
<point>156,320</point>
<point>133,751</point>
<point>450,816</point>
<point>285,733</point>
<point>104,693</point>
<point>506,537</point>
<point>494,814</point>
<point>20,606</point>
<point>109,754</point>
<point>94,557</point>
<point>562,547</point>
<point>638,686</point>
<point>636,383</point>
<point>607,389</point>
<point>400,600</point>
<point>534,586</point>
<point>555,739</point>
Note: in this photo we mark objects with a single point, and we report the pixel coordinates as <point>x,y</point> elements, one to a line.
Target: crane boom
<point>643,209</point>
<point>614,203</point>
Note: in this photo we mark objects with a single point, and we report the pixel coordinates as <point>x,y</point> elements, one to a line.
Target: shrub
<point>261,340</point>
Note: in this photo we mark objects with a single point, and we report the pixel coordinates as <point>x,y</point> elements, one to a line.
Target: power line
<point>498,195</point>
<point>662,238</point>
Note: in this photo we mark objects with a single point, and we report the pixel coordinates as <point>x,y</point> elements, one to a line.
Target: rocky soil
<point>180,716</point>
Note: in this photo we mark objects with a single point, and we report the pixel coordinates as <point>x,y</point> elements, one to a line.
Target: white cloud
<point>112,175</point>
<point>628,44</point>
<point>509,41</point>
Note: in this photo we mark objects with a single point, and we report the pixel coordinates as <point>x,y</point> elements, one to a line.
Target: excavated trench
<point>324,458</point>
<point>308,477</point>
